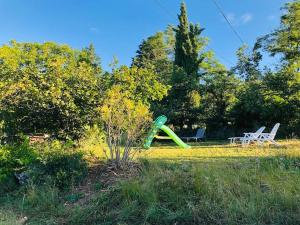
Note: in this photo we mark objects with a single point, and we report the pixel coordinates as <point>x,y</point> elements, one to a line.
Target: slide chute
<point>158,124</point>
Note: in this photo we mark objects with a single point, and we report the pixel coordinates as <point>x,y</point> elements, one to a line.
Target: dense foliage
<point>48,88</point>
<point>184,96</point>
<point>15,159</point>
<point>153,54</point>
<point>54,163</point>
<point>272,95</point>
<point>140,84</point>
<point>51,88</point>
<point>205,93</point>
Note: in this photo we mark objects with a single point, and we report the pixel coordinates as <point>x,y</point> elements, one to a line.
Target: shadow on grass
<point>200,159</point>
<point>200,143</point>
<point>191,190</point>
<point>197,192</point>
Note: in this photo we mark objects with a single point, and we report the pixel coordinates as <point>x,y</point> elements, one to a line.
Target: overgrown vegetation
<point>54,89</point>
<point>186,193</point>
<point>48,88</point>
<point>125,123</point>
<point>14,159</point>
<point>210,184</point>
<point>90,115</point>
<point>56,164</point>
<point>220,99</point>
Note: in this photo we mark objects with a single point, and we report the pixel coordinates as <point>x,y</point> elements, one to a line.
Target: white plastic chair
<point>269,137</point>
<point>248,137</point>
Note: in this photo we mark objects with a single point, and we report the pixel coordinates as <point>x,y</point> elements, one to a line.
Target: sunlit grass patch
<point>211,183</point>
<point>204,150</point>
<point>262,190</point>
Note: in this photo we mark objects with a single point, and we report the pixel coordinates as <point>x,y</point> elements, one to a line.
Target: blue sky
<point>117,27</point>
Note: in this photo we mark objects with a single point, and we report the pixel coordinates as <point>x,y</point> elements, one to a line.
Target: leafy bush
<point>64,168</point>
<point>125,121</point>
<point>48,88</point>
<point>53,162</point>
<point>61,165</point>
<point>92,141</point>
<point>15,158</point>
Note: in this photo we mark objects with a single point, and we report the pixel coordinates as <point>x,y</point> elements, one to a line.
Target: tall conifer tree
<point>187,44</point>
<point>184,97</point>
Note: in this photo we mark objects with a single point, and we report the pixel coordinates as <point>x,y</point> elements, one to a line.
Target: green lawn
<point>221,150</point>
<point>211,183</point>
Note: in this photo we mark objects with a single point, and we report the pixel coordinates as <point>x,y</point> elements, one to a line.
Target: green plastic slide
<point>158,124</point>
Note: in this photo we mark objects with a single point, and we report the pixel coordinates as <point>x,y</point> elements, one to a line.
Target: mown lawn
<point>212,183</point>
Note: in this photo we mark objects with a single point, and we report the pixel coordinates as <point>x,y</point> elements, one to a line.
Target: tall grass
<point>209,184</point>
<point>247,192</point>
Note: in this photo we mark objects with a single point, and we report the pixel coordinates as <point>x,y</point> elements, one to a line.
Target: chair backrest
<point>274,130</point>
<point>200,133</point>
<point>258,132</point>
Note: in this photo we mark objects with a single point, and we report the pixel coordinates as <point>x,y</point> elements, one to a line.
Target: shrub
<point>125,121</point>
<point>54,162</point>
<point>48,88</point>
<point>65,168</point>
<point>15,158</point>
<point>61,165</point>
<point>93,140</point>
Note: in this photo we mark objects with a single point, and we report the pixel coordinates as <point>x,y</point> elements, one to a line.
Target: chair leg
<point>260,142</point>
<point>245,142</point>
<point>234,140</point>
<point>275,143</point>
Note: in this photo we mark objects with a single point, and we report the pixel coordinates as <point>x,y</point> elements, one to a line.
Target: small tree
<point>125,122</point>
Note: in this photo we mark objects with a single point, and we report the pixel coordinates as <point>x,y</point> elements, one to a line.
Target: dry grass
<point>218,150</point>
<point>211,183</point>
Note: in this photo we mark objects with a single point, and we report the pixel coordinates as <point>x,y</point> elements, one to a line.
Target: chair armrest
<point>235,138</point>
<point>247,135</point>
<point>264,135</point>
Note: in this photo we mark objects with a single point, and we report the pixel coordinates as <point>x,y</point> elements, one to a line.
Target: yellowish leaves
<point>10,56</point>
<point>37,77</point>
<point>142,84</point>
<point>195,98</point>
<point>123,114</point>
